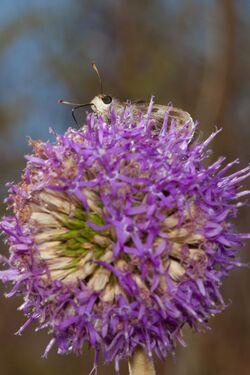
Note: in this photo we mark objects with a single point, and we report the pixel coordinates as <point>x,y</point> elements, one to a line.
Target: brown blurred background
<point>193,53</point>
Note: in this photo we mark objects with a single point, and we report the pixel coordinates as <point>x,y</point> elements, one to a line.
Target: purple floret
<point>119,237</point>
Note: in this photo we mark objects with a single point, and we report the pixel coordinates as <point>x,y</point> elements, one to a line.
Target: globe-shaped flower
<point>119,237</point>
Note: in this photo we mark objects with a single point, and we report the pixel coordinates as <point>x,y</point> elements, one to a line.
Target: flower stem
<point>140,364</point>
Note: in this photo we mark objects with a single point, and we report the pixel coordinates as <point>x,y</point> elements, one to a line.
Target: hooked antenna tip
<point>98,74</point>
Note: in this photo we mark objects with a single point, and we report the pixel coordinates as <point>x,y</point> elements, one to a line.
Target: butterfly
<point>102,104</point>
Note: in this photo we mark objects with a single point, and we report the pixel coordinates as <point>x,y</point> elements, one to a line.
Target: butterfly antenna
<point>98,74</point>
<point>61,101</point>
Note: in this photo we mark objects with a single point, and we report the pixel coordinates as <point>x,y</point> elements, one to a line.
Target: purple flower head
<point>119,237</point>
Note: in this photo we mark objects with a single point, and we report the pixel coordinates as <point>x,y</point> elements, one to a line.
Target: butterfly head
<point>101,103</point>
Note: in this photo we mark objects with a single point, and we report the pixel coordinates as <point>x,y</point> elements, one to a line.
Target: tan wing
<point>179,116</point>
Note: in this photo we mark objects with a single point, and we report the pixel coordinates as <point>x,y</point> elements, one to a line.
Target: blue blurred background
<point>193,53</point>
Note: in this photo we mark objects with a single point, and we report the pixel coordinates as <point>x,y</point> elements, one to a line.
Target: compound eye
<point>107,99</point>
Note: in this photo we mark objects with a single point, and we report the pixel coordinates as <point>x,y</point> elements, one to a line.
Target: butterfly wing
<point>179,116</point>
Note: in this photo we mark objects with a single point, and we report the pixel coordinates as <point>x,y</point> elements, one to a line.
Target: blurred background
<point>193,53</point>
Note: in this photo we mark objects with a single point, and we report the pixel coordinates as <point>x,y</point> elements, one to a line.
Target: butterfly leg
<point>73,112</point>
